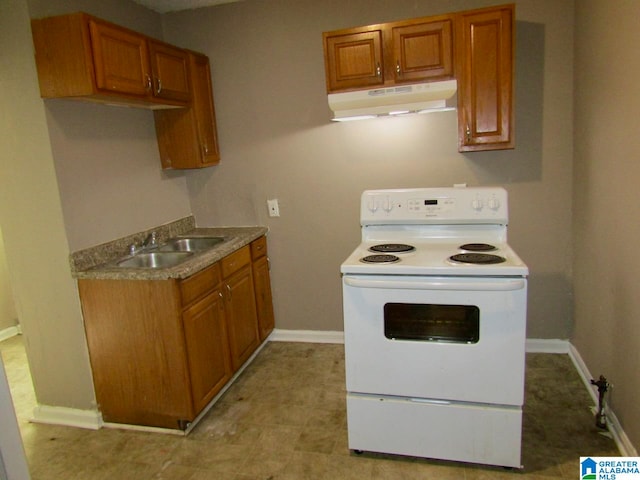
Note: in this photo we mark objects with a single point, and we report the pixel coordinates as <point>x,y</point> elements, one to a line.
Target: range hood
<point>418,97</point>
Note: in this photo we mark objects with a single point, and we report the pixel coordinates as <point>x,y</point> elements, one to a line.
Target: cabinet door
<point>485,79</point>
<point>204,110</point>
<point>187,137</point>
<point>264,302</point>
<point>207,348</point>
<point>170,72</point>
<point>121,61</point>
<point>423,51</point>
<point>353,60</point>
<point>242,321</point>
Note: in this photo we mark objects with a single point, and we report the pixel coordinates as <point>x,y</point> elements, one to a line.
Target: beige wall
<point>8,313</point>
<point>277,142</point>
<point>33,229</point>
<point>606,228</point>
<point>73,175</point>
<point>106,158</point>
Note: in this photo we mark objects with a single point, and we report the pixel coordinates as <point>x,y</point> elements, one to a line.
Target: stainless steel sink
<point>190,244</point>
<point>154,260</point>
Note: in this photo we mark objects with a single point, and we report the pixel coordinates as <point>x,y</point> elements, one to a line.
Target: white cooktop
<point>437,221</point>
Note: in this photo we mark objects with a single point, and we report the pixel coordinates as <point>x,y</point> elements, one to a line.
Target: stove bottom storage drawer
<point>474,433</point>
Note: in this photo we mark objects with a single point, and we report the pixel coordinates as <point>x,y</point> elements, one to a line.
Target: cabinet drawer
<point>259,248</point>
<point>200,283</point>
<point>236,261</point>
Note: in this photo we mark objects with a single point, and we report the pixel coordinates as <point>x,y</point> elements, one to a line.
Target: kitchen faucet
<point>149,243</point>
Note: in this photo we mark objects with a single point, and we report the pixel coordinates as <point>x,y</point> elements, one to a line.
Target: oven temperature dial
<point>493,203</point>
<point>477,204</point>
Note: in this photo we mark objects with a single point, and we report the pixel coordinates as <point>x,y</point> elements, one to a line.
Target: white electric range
<point>434,304</point>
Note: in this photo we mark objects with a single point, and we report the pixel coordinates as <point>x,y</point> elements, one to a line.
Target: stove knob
<point>477,204</point>
<point>387,205</point>
<point>494,203</point>
<point>372,205</point>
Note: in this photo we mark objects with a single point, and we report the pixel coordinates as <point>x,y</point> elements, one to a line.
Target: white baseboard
<point>622,441</point>
<point>546,345</point>
<point>533,345</point>
<point>69,417</point>
<point>308,336</point>
<point>10,332</point>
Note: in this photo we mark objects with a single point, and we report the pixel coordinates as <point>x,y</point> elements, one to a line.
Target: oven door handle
<point>504,285</point>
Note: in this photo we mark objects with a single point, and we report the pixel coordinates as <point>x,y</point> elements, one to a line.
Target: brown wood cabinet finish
<point>423,51</point>
<point>485,79</point>
<point>240,306</point>
<point>138,351</point>
<point>387,54</point>
<point>159,349</point>
<point>120,59</point>
<point>353,59</point>
<point>82,57</point>
<point>170,72</point>
<point>187,138</point>
<point>262,286</point>
<point>207,348</point>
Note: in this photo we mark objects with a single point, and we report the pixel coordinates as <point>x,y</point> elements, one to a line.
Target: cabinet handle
<point>379,70</point>
<point>229,290</point>
<point>148,82</point>
<point>468,133</point>
<point>398,71</point>
<point>159,88</point>
<point>205,148</point>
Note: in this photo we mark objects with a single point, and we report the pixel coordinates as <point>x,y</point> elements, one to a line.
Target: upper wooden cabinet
<point>390,53</point>
<point>423,50</point>
<point>187,138</point>
<point>485,59</point>
<point>353,59</point>
<point>79,56</point>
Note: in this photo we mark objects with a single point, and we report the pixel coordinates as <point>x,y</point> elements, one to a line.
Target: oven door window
<point>432,323</point>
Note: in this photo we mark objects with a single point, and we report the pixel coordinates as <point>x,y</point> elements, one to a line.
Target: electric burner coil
<point>477,247</point>
<point>392,248</point>
<point>477,258</point>
<point>381,258</point>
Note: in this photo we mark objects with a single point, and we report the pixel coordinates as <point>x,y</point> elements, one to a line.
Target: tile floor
<point>285,419</point>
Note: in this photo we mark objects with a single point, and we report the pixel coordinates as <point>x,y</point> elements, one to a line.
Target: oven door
<point>436,338</point>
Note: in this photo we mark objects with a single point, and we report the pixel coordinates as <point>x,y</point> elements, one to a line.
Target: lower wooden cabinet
<point>262,286</point>
<point>207,348</point>
<point>161,350</point>
<point>240,306</point>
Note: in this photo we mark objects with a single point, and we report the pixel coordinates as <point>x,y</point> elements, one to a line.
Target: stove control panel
<point>431,206</point>
<point>434,206</point>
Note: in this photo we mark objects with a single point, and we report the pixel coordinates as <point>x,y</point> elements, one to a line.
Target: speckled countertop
<point>100,262</point>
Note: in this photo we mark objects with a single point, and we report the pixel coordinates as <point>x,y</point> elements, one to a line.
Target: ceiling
<point>164,6</point>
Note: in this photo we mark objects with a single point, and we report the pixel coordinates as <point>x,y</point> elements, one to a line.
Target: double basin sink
<point>175,251</point>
